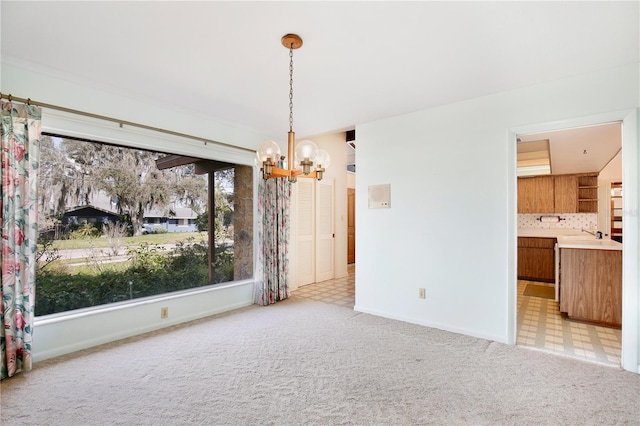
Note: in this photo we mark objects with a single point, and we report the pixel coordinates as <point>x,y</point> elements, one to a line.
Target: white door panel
<point>306,229</point>
<point>315,231</point>
<point>324,230</point>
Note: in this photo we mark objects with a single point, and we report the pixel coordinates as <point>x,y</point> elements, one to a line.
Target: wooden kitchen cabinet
<point>536,194</point>
<point>576,193</point>
<point>526,195</point>
<point>565,193</point>
<point>536,259</point>
<point>591,285</point>
<point>544,193</point>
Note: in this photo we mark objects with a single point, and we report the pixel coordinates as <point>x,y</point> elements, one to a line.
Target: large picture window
<point>119,223</point>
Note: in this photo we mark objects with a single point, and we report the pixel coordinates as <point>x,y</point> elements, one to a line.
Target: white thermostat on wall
<point>379,196</point>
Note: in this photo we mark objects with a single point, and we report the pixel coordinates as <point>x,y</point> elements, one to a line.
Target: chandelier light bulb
<point>269,151</point>
<point>322,159</point>
<point>306,150</point>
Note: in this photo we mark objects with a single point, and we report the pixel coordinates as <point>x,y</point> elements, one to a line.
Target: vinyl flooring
<point>339,291</point>
<point>540,325</point>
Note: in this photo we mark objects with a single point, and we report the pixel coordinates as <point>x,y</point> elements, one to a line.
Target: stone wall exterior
<point>243,223</point>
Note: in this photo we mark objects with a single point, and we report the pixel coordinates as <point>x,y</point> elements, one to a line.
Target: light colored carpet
<point>546,292</point>
<point>303,362</point>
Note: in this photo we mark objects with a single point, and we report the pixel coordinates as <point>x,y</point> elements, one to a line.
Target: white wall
<point>613,170</point>
<point>452,224</point>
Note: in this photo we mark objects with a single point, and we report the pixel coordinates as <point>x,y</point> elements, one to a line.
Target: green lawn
<point>153,239</point>
<point>88,266</point>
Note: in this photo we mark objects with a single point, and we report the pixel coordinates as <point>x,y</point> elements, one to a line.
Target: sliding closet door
<point>305,219</point>
<point>324,230</point>
<point>315,230</point>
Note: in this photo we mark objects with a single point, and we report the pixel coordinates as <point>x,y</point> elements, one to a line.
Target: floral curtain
<point>272,277</point>
<point>20,154</point>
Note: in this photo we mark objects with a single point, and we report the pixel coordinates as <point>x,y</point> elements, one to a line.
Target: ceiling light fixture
<point>305,159</point>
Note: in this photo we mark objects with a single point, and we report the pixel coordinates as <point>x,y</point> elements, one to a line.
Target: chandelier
<point>304,159</point>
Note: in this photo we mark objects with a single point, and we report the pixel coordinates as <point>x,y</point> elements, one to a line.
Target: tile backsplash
<point>571,220</point>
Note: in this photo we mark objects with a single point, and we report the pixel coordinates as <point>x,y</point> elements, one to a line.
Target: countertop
<point>550,232</point>
<point>572,238</point>
<point>588,243</point>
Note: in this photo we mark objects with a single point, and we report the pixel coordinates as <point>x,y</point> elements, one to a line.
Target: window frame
<point>73,126</point>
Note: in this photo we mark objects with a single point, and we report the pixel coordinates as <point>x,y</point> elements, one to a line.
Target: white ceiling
<point>583,149</point>
<point>361,61</point>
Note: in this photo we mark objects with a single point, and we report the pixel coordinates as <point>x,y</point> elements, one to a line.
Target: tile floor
<point>540,324</point>
<point>339,291</point>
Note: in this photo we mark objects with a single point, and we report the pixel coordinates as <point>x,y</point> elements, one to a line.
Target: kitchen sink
<point>578,237</point>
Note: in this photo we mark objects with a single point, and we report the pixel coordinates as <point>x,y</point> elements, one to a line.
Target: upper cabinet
<point>535,194</point>
<point>526,195</point>
<point>558,194</point>
<point>544,193</point>
<point>565,194</point>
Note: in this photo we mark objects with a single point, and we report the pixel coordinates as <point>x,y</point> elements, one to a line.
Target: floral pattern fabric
<point>20,155</point>
<point>272,274</point>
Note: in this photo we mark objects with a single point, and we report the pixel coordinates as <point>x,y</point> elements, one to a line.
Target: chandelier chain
<point>291,88</point>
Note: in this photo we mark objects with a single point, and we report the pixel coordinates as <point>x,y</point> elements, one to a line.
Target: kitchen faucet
<point>596,234</point>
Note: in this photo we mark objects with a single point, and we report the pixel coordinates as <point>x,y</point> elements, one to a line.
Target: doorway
<point>537,320</point>
<point>351,226</point>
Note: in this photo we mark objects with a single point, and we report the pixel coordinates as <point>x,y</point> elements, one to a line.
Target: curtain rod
<point>29,101</point>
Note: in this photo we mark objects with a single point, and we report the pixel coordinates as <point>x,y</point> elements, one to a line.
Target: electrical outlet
<point>164,313</point>
<point>422,293</point>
